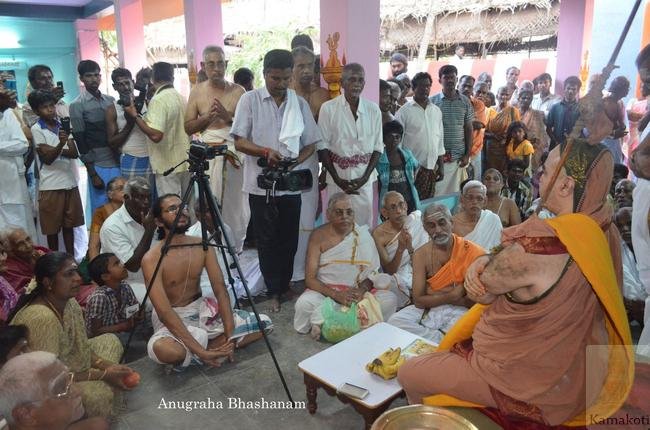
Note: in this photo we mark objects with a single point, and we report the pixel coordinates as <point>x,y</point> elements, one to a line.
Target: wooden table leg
<point>312,388</point>
<point>370,415</point>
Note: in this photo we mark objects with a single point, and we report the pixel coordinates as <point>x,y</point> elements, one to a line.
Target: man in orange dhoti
<point>438,272</point>
<point>553,291</point>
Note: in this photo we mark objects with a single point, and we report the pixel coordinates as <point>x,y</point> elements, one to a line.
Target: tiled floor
<point>251,377</point>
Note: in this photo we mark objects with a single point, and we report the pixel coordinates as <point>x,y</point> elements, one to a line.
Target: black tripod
<point>198,165</point>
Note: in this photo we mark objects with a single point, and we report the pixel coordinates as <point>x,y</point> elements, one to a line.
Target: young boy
<point>59,203</point>
<point>112,306</point>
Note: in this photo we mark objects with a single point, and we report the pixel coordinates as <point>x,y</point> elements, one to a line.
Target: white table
<point>346,362</point>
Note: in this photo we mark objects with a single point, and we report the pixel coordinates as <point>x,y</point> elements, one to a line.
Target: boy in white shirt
<point>59,202</point>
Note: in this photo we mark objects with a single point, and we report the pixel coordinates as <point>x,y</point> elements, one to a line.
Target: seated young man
<point>186,325</point>
<point>396,239</point>
<point>438,272</point>
<point>341,255</point>
<point>112,306</point>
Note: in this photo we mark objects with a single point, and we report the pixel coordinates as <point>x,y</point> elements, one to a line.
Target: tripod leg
<point>204,190</point>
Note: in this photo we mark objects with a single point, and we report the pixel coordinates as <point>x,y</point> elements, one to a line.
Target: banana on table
<point>386,364</point>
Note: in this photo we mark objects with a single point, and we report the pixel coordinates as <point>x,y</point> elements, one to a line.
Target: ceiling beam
<point>60,13</point>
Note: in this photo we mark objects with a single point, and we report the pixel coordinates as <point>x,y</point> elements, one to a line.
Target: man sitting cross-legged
<point>341,255</point>
<point>396,239</point>
<point>438,272</point>
<point>187,326</point>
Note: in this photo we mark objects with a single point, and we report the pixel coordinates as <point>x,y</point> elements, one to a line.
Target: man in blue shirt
<point>563,115</point>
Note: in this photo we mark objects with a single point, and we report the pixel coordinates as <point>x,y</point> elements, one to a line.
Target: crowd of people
<point>430,204</point>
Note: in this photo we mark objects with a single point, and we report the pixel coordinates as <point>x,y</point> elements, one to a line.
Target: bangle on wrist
<point>101,378</point>
<point>266,153</point>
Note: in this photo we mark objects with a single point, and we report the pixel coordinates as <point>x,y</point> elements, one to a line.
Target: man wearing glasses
<point>37,391</point>
<point>189,328</point>
<point>341,257</point>
<point>210,111</point>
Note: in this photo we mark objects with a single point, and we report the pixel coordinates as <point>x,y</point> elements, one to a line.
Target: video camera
<point>200,151</point>
<point>138,101</point>
<point>280,178</point>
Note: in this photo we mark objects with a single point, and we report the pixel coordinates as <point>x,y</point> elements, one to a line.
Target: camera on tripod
<point>200,151</point>
<point>280,178</point>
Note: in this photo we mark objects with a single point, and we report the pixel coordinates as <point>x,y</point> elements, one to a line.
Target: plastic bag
<point>340,322</point>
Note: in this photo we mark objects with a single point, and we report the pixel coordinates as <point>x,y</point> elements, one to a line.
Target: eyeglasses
<point>173,209</point>
<point>68,386</point>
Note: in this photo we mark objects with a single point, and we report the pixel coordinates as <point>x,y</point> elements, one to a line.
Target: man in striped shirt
<point>457,117</point>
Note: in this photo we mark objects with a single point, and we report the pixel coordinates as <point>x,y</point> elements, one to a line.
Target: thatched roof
<point>484,27</point>
<point>457,21</point>
<point>398,10</point>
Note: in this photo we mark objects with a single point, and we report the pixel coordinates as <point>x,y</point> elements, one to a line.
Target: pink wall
<point>357,21</point>
<point>203,26</point>
<point>129,24</point>
<point>88,41</point>
<point>574,34</point>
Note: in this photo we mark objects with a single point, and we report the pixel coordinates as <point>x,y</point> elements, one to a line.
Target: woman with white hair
<point>473,221</point>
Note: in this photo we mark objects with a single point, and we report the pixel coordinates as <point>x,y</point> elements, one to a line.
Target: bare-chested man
<point>184,323</point>
<point>210,111</point>
<point>341,256</point>
<point>302,82</point>
<point>396,239</point>
<point>439,267</point>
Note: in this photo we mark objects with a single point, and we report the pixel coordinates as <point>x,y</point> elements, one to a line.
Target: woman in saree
<point>56,324</point>
<point>499,118</point>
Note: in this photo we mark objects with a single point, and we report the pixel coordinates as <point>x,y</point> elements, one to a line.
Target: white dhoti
<point>453,176</point>
<point>365,204</point>
<point>308,208</point>
<point>487,233</point>
<point>227,182</point>
<point>350,262</point>
<point>203,322</point>
<point>433,325</point>
<point>309,305</point>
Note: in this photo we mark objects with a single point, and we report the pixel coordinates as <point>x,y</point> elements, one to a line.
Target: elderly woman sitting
<point>56,324</point>
<point>21,257</point>
<point>473,221</point>
<point>115,193</point>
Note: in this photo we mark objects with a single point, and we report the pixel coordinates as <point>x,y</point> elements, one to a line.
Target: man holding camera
<point>41,78</point>
<point>163,124</point>
<point>272,124</point>
<point>210,111</point>
<point>121,131</point>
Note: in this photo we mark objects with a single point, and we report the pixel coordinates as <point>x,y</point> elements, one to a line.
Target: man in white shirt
<point>128,232</point>
<point>423,134</point>
<point>273,123</point>
<point>544,99</point>
<point>15,205</point>
<point>352,143</point>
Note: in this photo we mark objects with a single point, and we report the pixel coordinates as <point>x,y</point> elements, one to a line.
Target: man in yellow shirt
<point>164,126</point>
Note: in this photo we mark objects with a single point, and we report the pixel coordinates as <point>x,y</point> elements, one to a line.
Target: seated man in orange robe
<point>553,291</point>
<point>438,273</point>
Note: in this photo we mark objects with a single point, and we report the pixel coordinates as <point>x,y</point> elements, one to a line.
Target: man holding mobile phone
<point>41,78</point>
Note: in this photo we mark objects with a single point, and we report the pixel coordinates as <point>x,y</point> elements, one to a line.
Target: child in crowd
<point>397,166</point>
<point>518,145</point>
<point>59,202</point>
<point>112,307</point>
